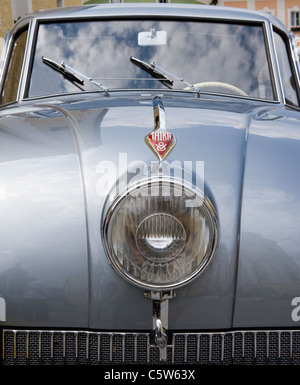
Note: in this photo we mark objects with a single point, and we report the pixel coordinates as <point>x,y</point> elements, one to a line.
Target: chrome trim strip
<point>150,92</point>
<point>87,346</point>
<point>15,346</point>
<point>198,348</point>
<point>291,345</point>
<point>76,346</point>
<point>222,346</point>
<point>255,345</point>
<point>99,346</point>
<point>243,344</point>
<point>26,59</point>
<point>110,347</point>
<point>294,67</point>
<point>40,346</point>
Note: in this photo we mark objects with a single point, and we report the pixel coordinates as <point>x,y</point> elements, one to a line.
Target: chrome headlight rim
<point>110,210</point>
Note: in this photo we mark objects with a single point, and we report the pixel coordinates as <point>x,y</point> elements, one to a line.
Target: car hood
<point>59,160</point>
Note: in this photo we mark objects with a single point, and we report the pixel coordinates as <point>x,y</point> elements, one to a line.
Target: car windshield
<point>217,57</point>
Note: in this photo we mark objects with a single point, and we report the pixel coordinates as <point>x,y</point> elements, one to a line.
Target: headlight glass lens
<point>160,235</point>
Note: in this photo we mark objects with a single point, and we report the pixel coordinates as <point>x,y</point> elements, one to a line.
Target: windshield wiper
<point>61,68</point>
<point>157,71</point>
<point>152,71</point>
<point>71,74</point>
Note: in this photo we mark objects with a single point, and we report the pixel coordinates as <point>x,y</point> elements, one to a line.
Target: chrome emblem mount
<point>160,141</point>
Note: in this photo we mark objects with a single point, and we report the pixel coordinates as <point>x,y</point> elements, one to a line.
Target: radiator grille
<point>36,347</point>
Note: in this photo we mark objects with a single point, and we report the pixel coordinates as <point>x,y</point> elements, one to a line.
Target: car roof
<point>157,9</point>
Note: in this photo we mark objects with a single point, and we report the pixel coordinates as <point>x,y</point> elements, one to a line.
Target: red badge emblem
<point>160,141</point>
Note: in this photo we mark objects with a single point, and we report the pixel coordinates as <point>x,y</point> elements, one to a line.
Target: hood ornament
<point>160,141</point>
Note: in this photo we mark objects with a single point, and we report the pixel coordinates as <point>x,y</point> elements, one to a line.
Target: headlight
<point>161,234</point>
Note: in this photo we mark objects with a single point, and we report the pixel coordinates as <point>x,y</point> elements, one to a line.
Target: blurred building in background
<point>288,11</point>
<point>12,10</point>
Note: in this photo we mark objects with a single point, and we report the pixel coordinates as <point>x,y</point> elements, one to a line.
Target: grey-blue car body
<point>99,104</point>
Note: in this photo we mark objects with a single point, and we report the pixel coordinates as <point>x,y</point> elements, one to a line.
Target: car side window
<point>287,77</point>
<point>13,72</point>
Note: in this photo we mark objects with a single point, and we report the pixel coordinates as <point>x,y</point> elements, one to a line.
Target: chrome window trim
<point>3,55</point>
<point>294,68</point>
<point>273,63</point>
<point>25,23</point>
<point>9,48</point>
<point>276,63</point>
<point>25,73</point>
<point>265,24</point>
<point>152,92</point>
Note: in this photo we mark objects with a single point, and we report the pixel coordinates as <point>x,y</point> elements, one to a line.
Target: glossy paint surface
<point>268,273</point>
<point>62,162</point>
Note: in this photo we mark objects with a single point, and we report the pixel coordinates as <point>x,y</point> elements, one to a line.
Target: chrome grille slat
<point>263,347</point>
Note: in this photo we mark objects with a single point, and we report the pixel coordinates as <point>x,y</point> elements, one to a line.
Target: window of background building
<point>20,8</point>
<point>295,19</point>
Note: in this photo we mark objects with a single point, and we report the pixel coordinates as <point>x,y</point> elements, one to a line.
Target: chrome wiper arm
<point>152,71</point>
<point>71,74</point>
<point>160,73</point>
<point>153,65</point>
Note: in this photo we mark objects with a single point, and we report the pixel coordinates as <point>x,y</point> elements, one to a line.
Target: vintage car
<point>149,191</point>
